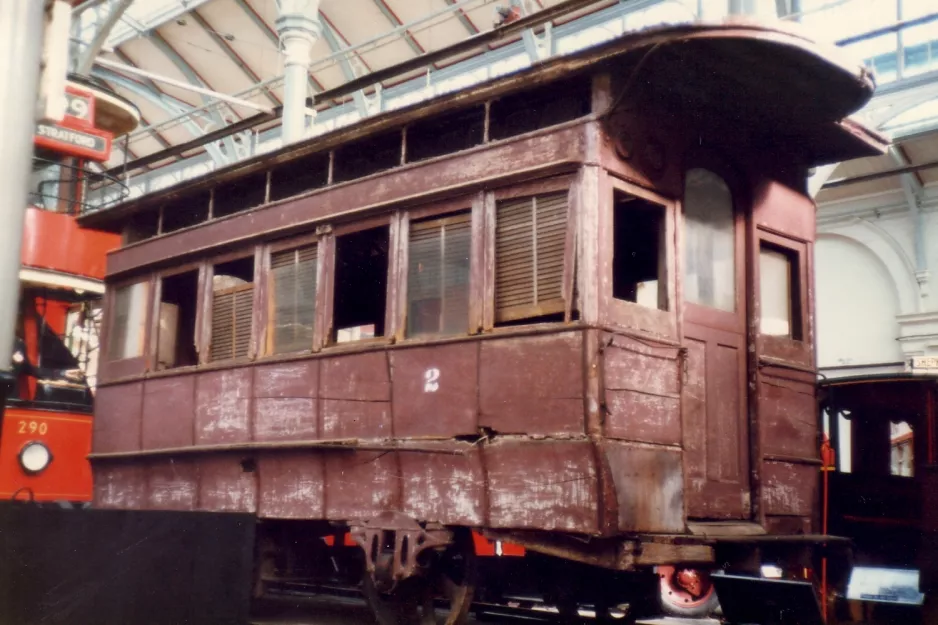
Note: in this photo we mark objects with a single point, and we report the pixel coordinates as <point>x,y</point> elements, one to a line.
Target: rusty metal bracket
<point>393,544</point>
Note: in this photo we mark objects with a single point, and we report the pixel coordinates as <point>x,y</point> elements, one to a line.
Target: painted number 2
<point>431,380</point>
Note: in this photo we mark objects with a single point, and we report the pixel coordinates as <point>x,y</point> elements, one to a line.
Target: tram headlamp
<point>35,457</point>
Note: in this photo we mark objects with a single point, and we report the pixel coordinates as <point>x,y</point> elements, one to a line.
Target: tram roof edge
<point>829,87</point>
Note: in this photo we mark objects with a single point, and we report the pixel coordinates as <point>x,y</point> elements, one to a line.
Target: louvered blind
<point>530,235</point>
<point>293,305</point>
<point>231,322</point>
<point>438,276</point>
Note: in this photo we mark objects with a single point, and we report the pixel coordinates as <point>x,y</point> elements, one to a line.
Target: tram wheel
<point>686,592</point>
<point>451,576</point>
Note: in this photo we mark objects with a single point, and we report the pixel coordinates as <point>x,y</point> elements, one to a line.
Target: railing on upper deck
<point>61,187</point>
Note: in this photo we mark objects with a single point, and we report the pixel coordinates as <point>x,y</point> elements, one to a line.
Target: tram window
<point>639,262</point>
<point>530,235</point>
<point>361,279</point>
<point>438,276</point>
<point>299,176</point>
<point>292,299</point>
<point>176,339</point>
<point>901,453</point>
<point>239,195</point>
<point>366,157</point>
<point>709,241</point>
<point>445,134</point>
<point>142,226</point>
<point>541,107</point>
<point>129,321</point>
<point>185,212</point>
<point>232,308</point>
<point>779,296</point>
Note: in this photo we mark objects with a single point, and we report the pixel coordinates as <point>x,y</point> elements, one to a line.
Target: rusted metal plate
<point>222,408</point>
<point>788,413</point>
<point>789,488</point>
<point>117,411</point>
<point>227,484</point>
<point>788,525</point>
<point>444,488</point>
<point>649,486</point>
<point>290,485</point>
<point>532,385</point>
<point>120,485</point>
<point>285,407</point>
<point>546,485</point>
<point>168,412</point>
<point>172,484</point>
<point>360,485</point>
<point>358,377</point>
<point>356,419</point>
<point>435,390</point>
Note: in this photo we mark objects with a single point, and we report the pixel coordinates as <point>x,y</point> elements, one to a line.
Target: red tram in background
<point>46,422</point>
<point>569,309</point>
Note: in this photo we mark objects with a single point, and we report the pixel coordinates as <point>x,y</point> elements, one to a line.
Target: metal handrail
<point>98,190</point>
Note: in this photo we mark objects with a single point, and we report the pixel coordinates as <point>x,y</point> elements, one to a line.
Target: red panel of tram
<point>60,471</point>
<point>75,251</point>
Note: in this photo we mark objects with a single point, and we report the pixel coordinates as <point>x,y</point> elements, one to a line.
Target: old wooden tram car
<point>45,421</point>
<point>568,309</point>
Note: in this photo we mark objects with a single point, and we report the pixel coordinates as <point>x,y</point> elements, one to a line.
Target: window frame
<point>266,314</point>
<point>206,323</point>
<point>784,347</point>
<point>154,322</point>
<point>124,367</point>
<point>622,313</point>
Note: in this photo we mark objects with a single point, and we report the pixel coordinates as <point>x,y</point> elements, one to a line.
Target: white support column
<point>298,26</point>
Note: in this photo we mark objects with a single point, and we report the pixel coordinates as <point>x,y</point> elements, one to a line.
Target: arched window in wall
<point>709,263</point>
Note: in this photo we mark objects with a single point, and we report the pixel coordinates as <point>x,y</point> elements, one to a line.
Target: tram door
<point>714,411</point>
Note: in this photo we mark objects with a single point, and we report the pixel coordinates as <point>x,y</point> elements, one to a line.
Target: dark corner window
<point>639,256</point>
<point>232,308</point>
<point>299,176</point>
<point>779,292</point>
<point>185,212</point>
<point>239,195</point>
<point>361,279</point>
<point>530,234</point>
<point>178,303</point>
<point>709,241</point>
<point>540,107</point>
<point>438,276</point>
<point>128,323</point>
<point>292,299</point>
<point>142,226</point>
<point>367,156</point>
<point>445,134</point>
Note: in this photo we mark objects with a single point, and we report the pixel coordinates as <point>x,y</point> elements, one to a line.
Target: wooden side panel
<point>168,412</point>
<point>343,418</point>
<point>358,377</point>
<point>117,413</point>
<point>360,484</point>
<point>642,391</point>
<point>649,486</point>
<point>120,485</point>
<point>532,385</point>
<point>435,390</point>
<point>547,485</point>
<point>222,407</point>
<point>225,486</point>
<point>789,418</point>
<point>173,484</point>
<point>443,488</point>
<point>285,406</point>
<point>790,489</point>
<point>290,486</point>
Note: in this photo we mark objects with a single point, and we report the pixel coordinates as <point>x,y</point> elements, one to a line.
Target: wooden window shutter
<point>530,235</point>
<point>293,299</point>
<point>438,276</point>
<point>231,322</point>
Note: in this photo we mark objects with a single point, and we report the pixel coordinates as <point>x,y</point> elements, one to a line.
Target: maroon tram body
<point>532,308</point>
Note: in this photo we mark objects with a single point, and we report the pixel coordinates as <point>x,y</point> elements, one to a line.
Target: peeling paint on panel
<point>789,489</point>
<point>356,419</point>
<point>291,486</point>
<point>222,402</point>
<point>116,424</point>
<point>284,419</point>
<point>443,488</point>
<point>224,485</point>
<point>360,485</point>
<point>172,485</point>
<point>168,412</point>
<point>119,486</point>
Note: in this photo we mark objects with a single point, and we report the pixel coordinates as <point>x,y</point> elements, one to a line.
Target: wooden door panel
<point>715,424</point>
